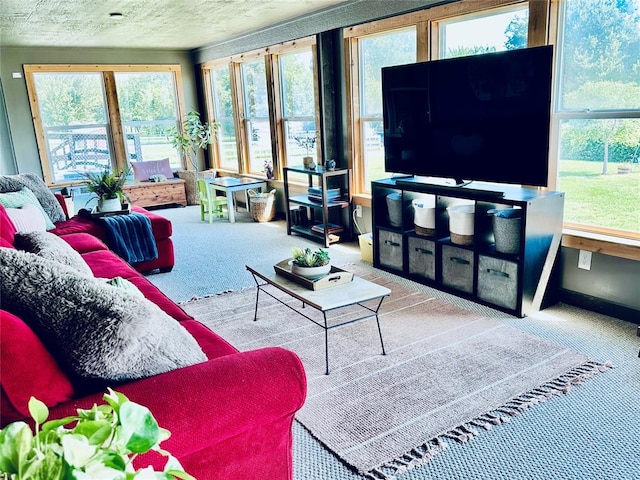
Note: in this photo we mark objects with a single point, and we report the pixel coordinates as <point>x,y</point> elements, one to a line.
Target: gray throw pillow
<point>50,246</point>
<point>48,201</point>
<point>97,333</point>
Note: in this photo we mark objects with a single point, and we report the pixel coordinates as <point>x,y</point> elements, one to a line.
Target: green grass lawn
<point>611,200</point>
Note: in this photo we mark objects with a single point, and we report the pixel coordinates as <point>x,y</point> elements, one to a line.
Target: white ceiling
<point>159,24</point>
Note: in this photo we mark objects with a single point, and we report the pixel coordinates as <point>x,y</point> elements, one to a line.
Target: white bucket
<point>424,212</point>
<point>461,223</point>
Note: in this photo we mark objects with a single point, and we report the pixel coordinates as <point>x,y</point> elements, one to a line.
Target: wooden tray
<point>96,214</point>
<point>335,277</point>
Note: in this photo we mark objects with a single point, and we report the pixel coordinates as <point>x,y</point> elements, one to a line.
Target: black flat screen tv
<point>482,117</point>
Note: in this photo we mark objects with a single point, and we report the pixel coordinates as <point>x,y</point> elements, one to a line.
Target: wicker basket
<point>262,205</point>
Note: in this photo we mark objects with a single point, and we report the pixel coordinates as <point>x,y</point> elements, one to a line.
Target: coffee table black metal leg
<point>326,343</point>
<point>378,322</point>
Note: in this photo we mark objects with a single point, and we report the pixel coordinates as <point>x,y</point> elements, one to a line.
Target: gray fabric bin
<point>457,268</point>
<point>390,248</point>
<point>422,257</point>
<point>498,281</point>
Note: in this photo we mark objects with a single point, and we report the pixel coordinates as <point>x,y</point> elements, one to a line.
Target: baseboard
<point>599,305</point>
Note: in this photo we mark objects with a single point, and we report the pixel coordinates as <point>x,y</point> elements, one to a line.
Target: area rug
<point>447,373</point>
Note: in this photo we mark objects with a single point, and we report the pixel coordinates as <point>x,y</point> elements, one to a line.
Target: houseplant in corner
<point>101,444</point>
<point>310,264</point>
<point>108,187</point>
<point>193,136</point>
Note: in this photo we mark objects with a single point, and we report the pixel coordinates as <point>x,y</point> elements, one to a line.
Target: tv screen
<point>483,117</point>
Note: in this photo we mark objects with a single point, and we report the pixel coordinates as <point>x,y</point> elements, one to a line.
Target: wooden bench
<point>149,194</point>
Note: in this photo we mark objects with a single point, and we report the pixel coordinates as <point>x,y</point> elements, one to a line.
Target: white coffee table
<point>356,292</point>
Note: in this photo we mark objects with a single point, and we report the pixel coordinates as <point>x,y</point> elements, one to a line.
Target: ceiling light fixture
<point>116,15</point>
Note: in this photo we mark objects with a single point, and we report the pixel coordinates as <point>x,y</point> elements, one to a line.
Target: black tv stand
<point>452,190</point>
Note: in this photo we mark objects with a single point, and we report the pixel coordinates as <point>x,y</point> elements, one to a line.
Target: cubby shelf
<point>519,282</point>
<point>322,213</point>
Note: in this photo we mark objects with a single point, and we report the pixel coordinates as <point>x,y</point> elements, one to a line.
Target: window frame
<point>115,131</point>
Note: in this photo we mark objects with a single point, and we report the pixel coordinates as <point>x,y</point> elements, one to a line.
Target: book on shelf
<point>331,192</point>
<point>332,228</point>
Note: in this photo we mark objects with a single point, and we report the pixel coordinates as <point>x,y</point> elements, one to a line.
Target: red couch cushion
<point>40,376</point>
<point>84,242</point>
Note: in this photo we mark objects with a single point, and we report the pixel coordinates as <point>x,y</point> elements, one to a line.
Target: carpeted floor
<point>592,433</point>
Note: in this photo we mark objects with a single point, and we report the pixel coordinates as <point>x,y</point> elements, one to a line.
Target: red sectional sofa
<point>160,226</point>
<point>230,417</point>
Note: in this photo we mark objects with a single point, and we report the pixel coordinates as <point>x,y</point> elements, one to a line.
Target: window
<point>265,103</point>
<point>148,109</point>
<point>73,119</point>
<point>374,53</point>
<point>485,32</point>
<point>88,118</point>
<point>256,114</point>
<point>227,146</point>
<point>597,116</point>
<point>298,105</point>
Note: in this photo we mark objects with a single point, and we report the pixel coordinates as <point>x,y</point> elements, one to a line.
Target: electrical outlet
<point>359,211</point>
<point>584,260</point>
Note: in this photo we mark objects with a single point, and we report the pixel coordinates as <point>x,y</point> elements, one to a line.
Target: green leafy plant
<point>308,142</point>
<point>101,444</point>
<point>308,258</point>
<point>195,135</point>
<point>106,184</point>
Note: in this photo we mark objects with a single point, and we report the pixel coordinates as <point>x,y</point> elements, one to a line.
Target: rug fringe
<point>465,432</point>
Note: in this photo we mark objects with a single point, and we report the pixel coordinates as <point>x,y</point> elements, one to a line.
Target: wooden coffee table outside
<point>356,292</point>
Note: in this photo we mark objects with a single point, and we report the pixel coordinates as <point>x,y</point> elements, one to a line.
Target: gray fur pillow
<point>48,201</point>
<point>49,245</point>
<point>97,332</point>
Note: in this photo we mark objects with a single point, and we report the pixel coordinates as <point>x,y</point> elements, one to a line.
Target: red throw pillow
<point>28,369</point>
<point>7,229</point>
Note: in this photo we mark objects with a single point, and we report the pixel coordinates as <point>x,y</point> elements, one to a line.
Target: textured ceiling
<point>163,24</point>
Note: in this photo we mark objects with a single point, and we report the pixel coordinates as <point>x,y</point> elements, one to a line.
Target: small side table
<point>229,185</point>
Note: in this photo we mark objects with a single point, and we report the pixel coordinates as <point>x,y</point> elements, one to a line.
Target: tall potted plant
<point>193,136</point>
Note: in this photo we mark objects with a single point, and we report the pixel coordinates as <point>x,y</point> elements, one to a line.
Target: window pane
<point>259,144</point>
<point>74,120</point>
<point>254,81</point>
<point>148,110</point>
<point>373,149</point>
<point>223,111</point>
<point>492,32</point>
<point>300,138</point>
<point>599,114</point>
<point>296,76</point>
<point>600,60</point>
<point>254,86</point>
<point>377,51</point>
<point>599,172</point>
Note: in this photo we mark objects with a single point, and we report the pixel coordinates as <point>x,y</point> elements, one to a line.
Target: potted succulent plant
<point>108,187</point>
<point>99,443</point>
<point>310,264</point>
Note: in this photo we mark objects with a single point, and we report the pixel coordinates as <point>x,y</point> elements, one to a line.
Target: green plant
<point>101,445</point>
<point>308,142</point>
<point>309,258</point>
<point>195,135</point>
<point>106,184</point>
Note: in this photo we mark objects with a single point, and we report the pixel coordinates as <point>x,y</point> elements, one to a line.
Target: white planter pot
<point>311,273</point>
<point>109,205</point>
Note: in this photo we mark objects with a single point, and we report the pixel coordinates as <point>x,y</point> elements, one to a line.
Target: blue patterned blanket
<point>130,236</point>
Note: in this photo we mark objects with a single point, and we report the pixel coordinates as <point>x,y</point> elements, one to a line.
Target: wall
<point>18,111</point>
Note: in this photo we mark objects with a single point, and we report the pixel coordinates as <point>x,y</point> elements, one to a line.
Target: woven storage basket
<point>263,205</point>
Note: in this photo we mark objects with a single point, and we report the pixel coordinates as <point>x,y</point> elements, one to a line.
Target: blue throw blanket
<point>130,236</point>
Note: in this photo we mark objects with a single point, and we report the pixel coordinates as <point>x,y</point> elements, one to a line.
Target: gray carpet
<point>592,433</point>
